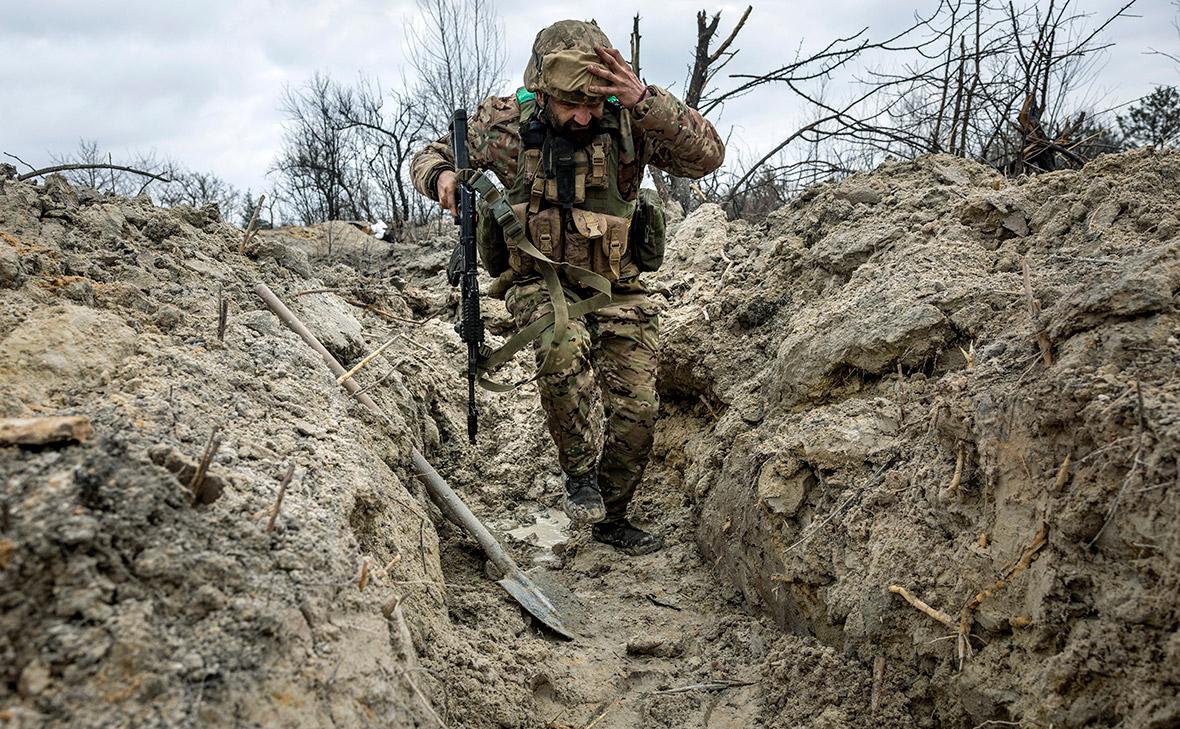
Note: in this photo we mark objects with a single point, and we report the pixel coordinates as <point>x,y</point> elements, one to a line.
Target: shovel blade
<point>546,600</point>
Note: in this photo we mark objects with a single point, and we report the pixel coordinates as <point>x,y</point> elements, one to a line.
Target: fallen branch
<point>65,168</point>
<point>708,686</point>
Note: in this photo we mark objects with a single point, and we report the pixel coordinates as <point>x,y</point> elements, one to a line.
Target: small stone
<point>167,317</point>
<point>77,530</point>
<point>34,679</point>
<point>657,646</point>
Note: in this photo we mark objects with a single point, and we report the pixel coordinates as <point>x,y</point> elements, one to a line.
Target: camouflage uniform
<point>615,345</point>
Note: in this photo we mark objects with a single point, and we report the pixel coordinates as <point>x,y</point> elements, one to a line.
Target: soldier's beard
<point>575,134</point>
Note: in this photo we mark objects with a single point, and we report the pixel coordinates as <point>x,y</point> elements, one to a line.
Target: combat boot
<point>626,537</point>
<point>583,501</point>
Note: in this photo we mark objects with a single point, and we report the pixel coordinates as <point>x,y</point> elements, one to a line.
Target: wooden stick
<point>363,580</point>
<point>602,712</point>
<point>1034,310</point>
<point>250,230</point>
<point>938,615</point>
<point>222,314</point>
<point>709,686</point>
<point>198,478</point>
<point>274,512</point>
<point>878,684</point>
<point>421,696</point>
<point>360,365</point>
<point>1062,474</point>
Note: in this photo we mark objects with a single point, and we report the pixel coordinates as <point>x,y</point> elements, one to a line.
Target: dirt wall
<point>880,413</point>
<point>123,602</point>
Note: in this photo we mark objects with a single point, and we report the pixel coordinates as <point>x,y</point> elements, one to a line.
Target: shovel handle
<point>443,492</point>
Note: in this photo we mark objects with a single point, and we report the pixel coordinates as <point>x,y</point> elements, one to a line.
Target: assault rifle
<point>463,270</point>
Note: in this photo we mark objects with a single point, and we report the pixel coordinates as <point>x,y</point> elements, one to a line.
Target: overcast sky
<point>200,83</point>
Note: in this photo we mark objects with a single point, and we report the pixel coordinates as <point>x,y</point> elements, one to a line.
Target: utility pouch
<point>489,240</point>
<point>648,231</point>
<point>601,241</point>
<point>545,232</point>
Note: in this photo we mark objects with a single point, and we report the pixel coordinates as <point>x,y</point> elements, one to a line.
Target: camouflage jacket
<point>664,133</point>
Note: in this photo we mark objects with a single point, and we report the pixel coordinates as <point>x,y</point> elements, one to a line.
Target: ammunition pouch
<point>648,231</point>
<point>489,240</point>
<point>583,238</point>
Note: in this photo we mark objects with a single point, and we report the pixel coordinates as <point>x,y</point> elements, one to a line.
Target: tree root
<point>962,627</point>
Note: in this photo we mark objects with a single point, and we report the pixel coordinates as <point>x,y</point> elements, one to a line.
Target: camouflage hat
<point>561,59</point>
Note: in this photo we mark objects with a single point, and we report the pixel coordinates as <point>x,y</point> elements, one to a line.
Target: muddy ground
<point>824,377</point>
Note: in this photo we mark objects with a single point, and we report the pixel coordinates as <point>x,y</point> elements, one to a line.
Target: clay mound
<point>873,408</point>
<point>121,600</point>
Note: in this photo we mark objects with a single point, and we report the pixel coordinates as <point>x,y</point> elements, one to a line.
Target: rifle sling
<point>551,327</point>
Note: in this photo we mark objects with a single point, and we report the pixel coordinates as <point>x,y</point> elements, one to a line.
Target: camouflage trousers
<point>614,347</point>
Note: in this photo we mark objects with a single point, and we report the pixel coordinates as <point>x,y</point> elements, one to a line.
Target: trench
<point>678,638</point>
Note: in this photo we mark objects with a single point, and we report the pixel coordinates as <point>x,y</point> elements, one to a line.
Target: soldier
<point>570,149</point>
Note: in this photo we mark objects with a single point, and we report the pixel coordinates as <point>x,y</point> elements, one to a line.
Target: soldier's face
<point>573,117</point>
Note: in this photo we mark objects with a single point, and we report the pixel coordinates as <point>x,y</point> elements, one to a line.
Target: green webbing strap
<point>551,327</point>
<point>541,328</point>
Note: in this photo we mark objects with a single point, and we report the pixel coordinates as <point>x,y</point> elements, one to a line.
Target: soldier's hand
<point>619,78</point>
<point>446,187</point>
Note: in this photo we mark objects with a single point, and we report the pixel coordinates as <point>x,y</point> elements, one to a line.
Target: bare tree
<point>317,171</point>
<point>201,188</point>
<point>391,129</point>
<point>987,79</point>
<point>1173,55</point>
<point>456,47</point>
<point>346,152</point>
<point>707,62</point>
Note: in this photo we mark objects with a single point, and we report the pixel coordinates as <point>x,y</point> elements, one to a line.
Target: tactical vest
<point>568,198</point>
<point>564,218</point>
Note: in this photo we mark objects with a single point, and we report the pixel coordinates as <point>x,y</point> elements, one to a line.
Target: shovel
<point>522,587</point>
